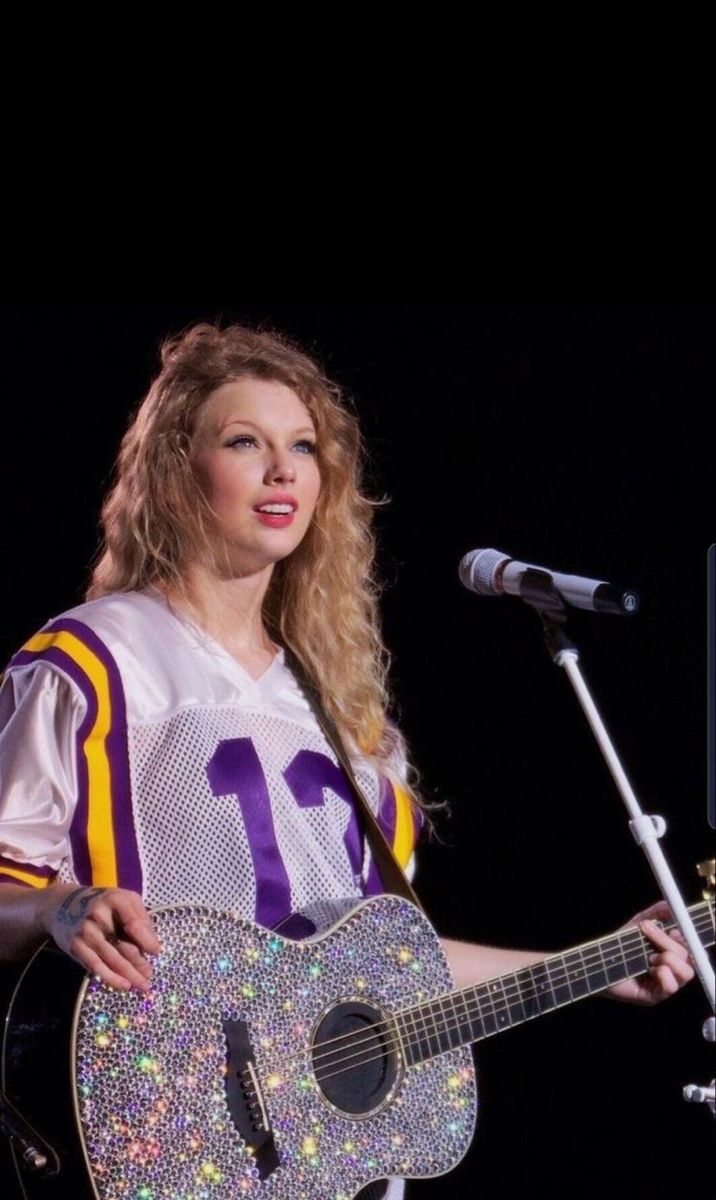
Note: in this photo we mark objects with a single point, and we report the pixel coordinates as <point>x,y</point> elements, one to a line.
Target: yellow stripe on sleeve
<point>100,832</point>
<point>404,837</point>
<point>25,877</point>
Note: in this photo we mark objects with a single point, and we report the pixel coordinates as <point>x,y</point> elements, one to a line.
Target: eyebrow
<point>293,433</point>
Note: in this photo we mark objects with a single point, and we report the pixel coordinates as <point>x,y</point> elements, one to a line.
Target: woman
<point>156,748</point>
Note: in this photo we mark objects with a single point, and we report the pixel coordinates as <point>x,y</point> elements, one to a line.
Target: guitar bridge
<point>245,1099</point>
<point>252,1088</point>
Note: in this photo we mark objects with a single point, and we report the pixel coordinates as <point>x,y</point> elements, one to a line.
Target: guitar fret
<point>466,1017</point>
<point>434,1046</point>
<point>322,1018</point>
<point>536,991</point>
<point>476,1023</point>
<point>501,1008</point>
<point>439,1034</point>
<point>625,965</point>
<point>427,1038</point>
<point>638,956</point>
<point>423,1046</point>
<point>613,958</point>
<point>548,998</point>
<point>454,1019</point>
<point>558,980</point>
<point>452,1024</point>
<point>445,1026</point>
<point>515,1005</point>
<point>441,1041</point>
<point>598,976</point>
<point>471,1014</point>
<point>489,1015</point>
<point>576,974</point>
<point>423,1034</point>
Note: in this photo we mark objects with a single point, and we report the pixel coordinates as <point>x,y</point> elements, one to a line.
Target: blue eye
<point>304,446</point>
<point>242,439</point>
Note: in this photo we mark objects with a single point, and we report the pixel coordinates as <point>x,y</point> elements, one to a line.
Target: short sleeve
<point>40,713</point>
<point>399,817</point>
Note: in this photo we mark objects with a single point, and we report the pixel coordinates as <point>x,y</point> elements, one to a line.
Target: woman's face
<point>254,454</point>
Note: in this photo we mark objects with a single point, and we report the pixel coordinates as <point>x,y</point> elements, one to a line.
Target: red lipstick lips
<point>276,511</point>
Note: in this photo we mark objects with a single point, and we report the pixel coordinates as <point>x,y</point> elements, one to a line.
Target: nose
<point>281,468</point>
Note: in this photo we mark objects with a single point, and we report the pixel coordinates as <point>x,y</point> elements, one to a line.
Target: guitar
<point>262,1067</point>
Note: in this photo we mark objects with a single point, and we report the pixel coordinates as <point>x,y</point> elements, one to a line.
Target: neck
<point>470,1014</point>
<point>229,610</point>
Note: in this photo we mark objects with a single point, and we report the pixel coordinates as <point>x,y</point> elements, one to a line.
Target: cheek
<point>218,480</point>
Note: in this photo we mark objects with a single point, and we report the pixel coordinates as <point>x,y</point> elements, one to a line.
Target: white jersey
<point>136,752</point>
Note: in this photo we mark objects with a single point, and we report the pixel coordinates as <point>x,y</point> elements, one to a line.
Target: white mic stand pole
<point>537,590</point>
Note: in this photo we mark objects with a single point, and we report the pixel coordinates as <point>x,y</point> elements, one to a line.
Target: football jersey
<point>136,752</point>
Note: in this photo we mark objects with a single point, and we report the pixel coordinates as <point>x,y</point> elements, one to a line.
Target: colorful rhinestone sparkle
<point>151,1070</point>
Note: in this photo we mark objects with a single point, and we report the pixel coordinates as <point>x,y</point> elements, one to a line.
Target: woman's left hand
<point>669,966</point>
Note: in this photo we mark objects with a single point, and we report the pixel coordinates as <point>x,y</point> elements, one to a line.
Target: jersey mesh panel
<point>194,845</point>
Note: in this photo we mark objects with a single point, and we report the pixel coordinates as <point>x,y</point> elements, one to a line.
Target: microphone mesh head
<point>477,571</point>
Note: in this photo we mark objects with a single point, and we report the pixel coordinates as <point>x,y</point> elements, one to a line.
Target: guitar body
<point>256,1066</point>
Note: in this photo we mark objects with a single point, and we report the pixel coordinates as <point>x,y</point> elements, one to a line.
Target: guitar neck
<point>473,1013</point>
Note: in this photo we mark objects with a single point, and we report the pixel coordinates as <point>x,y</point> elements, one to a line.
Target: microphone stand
<point>537,589</point>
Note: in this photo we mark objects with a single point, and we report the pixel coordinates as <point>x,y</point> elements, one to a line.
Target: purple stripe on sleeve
<point>29,868</point>
<point>11,864</point>
<point>78,829</point>
<point>129,873</point>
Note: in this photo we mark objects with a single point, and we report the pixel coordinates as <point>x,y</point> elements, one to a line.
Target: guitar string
<point>514,989</point>
<point>422,1015</point>
<point>628,942</point>
<point>462,1021</point>
<point>702,916</point>
<point>703,920</point>
<point>396,1044</point>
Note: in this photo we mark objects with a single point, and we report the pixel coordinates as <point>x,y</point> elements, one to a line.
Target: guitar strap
<point>391,873</point>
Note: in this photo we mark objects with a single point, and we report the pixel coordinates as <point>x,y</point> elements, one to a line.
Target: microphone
<point>493,573</point>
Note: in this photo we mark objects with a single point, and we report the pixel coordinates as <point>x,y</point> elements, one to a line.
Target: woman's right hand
<point>108,931</point>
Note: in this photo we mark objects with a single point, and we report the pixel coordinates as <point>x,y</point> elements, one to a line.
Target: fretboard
<point>470,1014</point>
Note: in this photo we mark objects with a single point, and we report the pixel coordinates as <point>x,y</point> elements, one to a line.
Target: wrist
<point>49,902</point>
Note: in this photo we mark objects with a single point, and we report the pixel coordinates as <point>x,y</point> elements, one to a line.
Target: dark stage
<point>580,437</point>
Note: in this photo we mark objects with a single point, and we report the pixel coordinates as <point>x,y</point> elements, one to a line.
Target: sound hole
<point>355,1058</point>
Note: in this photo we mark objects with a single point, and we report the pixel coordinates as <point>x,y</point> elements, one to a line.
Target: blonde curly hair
<point>322,601</point>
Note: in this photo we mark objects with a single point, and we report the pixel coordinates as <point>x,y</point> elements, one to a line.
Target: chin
<point>242,564</point>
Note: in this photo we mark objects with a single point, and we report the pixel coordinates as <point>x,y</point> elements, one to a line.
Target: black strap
<point>391,873</point>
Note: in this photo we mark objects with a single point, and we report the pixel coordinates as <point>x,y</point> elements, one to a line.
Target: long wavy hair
<point>322,599</point>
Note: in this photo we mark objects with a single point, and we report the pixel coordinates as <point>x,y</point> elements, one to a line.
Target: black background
<point>576,436</point>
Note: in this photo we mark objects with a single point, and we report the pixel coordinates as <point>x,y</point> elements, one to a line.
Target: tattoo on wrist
<point>74,906</point>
